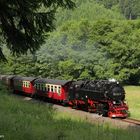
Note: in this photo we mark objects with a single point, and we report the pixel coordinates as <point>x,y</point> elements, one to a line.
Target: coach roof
<point>51,81</point>
<point>24,78</point>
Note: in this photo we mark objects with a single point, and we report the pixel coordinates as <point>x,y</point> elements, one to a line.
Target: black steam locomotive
<point>105,97</point>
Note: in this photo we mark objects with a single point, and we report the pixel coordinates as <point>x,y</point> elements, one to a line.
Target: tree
<point>87,9</point>
<point>108,3</point>
<point>120,41</point>
<point>130,8</point>
<point>24,23</point>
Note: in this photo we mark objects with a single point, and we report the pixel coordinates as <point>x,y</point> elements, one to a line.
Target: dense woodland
<point>98,39</point>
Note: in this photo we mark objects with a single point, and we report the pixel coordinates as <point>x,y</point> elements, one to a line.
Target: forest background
<point>99,39</point>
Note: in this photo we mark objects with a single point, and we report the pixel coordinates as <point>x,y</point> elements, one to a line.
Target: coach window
<point>55,89</point>
<point>48,87</point>
<point>59,89</point>
<point>28,84</point>
<point>38,86</point>
<point>43,87</point>
<point>23,84</point>
<point>51,88</point>
<point>35,85</point>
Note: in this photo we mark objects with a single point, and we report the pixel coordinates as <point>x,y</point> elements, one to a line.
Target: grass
<point>133,100</point>
<point>20,120</point>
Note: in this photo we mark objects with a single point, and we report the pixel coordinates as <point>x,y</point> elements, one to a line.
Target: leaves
<point>24,25</point>
<point>81,48</point>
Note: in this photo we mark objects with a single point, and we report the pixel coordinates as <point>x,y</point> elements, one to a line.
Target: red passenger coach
<point>54,89</point>
<point>24,84</point>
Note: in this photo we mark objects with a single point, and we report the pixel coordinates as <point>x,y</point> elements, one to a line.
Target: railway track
<point>131,121</point>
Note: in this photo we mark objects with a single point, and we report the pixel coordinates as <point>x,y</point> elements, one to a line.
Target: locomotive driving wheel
<point>105,110</point>
<point>102,109</point>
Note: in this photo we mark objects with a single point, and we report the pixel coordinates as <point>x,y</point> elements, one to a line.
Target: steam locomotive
<point>105,97</point>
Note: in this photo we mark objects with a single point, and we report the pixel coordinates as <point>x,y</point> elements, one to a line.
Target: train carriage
<point>53,89</point>
<point>2,77</point>
<point>24,84</point>
<point>8,80</point>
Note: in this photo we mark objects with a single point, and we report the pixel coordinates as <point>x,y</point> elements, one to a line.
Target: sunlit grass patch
<point>133,99</point>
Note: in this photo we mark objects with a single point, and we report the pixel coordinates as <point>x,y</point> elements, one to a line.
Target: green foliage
<point>69,69</point>
<point>108,3</point>
<point>24,24</point>
<point>120,42</point>
<point>85,50</point>
<point>129,8</point>
<point>89,10</point>
<point>23,65</point>
<point>84,47</point>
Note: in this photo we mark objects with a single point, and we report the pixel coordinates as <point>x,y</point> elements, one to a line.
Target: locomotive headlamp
<point>113,115</point>
<point>114,102</point>
<point>125,102</point>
